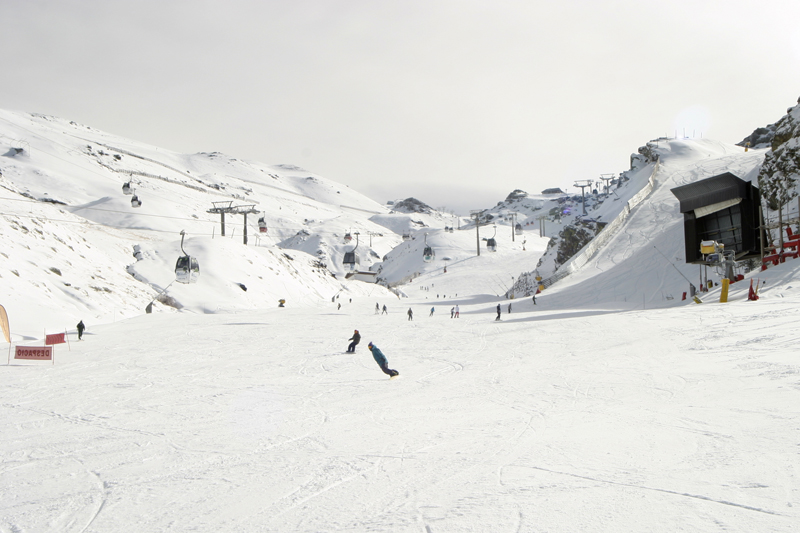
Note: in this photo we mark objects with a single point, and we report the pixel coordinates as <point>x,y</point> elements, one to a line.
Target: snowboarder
<point>385,312</point>
<point>81,328</point>
<point>452,312</point>
<point>456,311</point>
<point>381,360</point>
<point>356,338</point>
<point>432,309</point>
<point>498,312</point>
<point>410,314</point>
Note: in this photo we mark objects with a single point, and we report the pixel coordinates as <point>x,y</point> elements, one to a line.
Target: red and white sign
<point>55,338</point>
<point>35,353</point>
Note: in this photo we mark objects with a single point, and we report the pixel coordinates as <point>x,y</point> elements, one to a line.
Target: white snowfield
<point>605,407</point>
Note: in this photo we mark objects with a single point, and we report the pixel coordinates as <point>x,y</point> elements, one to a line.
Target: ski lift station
<point>723,209</point>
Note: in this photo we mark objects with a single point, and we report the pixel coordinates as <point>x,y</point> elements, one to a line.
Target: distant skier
<point>338,306</point>
<point>81,329</point>
<point>452,312</point>
<point>498,312</point>
<point>377,309</point>
<point>456,311</point>
<point>384,312</point>
<point>509,308</point>
<point>381,360</point>
<point>534,298</point>
<point>356,338</point>
<point>432,309</point>
<point>410,314</point>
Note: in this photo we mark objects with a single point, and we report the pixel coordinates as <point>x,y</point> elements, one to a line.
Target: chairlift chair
<point>491,244</point>
<point>406,235</point>
<point>187,268</point>
<point>347,237</point>
<point>350,260</point>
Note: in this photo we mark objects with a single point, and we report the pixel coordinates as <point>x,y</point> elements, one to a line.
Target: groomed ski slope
<point>656,420</point>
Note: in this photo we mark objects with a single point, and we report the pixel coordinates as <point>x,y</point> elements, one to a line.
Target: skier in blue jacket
<point>381,360</point>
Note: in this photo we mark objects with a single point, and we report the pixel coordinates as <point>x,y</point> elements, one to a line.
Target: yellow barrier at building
<point>723,295</point>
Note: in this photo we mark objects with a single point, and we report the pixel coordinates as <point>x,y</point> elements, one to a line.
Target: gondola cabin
<point>262,225</point>
<point>126,188</point>
<point>491,244</point>
<point>135,202</point>
<point>187,269</point>
<point>347,237</point>
<point>428,255</point>
<point>518,229</point>
<point>350,261</point>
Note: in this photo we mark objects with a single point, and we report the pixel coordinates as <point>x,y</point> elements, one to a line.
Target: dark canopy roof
<point>710,191</point>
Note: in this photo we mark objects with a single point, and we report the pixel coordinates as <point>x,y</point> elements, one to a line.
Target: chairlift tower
<point>583,184</point>
<point>477,216</point>
<point>228,208</point>
<point>513,226</point>
<point>607,179</point>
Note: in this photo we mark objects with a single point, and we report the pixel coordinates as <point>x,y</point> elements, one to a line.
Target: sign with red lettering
<point>55,338</point>
<point>36,353</point>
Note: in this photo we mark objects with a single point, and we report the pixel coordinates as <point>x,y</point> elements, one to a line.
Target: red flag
<point>55,338</point>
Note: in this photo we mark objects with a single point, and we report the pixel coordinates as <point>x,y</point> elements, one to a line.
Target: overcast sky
<point>455,102</point>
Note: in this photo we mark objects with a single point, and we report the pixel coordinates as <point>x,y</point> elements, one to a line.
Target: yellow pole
<point>723,295</point>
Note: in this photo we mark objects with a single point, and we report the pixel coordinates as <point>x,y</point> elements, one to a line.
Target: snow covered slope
<point>633,269</point>
<point>77,249</point>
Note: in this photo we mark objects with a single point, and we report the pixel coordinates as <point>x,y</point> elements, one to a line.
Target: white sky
<point>454,102</point>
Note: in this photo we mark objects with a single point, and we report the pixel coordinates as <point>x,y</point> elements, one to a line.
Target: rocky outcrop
<point>760,138</point>
<point>412,205</point>
<point>780,174</point>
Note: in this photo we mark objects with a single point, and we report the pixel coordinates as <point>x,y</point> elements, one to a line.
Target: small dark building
<point>722,208</point>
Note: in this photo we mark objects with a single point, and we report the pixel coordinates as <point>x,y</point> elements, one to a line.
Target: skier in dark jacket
<point>498,312</point>
<point>381,360</point>
<point>356,338</point>
<point>80,327</point>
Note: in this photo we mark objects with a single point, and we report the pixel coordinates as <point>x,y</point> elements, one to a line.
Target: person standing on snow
<point>452,311</point>
<point>381,360</point>
<point>410,314</point>
<point>509,308</point>
<point>498,312</point>
<point>456,311</point>
<point>432,309</point>
<point>81,328</point>
<point>356,338</point>
<point>377,309</point>
<point>385,312</point>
